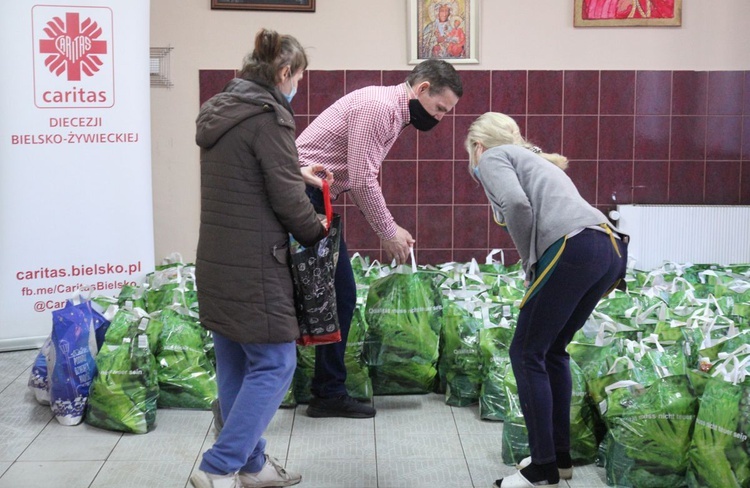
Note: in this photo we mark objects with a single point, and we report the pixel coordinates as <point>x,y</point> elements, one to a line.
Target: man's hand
<point>398,247</point>
<point>310,174</point>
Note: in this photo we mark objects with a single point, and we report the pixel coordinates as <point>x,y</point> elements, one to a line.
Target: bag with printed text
<point>70,364</point>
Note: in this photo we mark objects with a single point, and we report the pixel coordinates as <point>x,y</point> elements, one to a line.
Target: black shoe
<point>341,406</point>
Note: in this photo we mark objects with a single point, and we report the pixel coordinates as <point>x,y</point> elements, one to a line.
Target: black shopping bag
<point>313,273</point>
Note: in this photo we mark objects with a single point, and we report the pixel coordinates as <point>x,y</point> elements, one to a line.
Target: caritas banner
<point>75,157</point>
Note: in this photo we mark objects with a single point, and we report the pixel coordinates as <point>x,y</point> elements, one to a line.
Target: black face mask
<point>419,117</point>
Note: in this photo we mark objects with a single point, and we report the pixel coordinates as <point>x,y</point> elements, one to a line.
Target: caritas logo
<point>73,57</point>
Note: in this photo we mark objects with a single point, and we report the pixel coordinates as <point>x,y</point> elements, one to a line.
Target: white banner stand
<point>75,157</point>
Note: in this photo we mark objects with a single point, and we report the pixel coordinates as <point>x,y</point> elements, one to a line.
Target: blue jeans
<point>587,268</point>
<point>253,378</point>
<point>330,371</point>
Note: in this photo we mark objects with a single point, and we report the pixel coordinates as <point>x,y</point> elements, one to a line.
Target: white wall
<point>362,34</point>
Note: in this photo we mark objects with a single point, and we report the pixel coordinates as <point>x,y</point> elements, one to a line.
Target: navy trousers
<point>330,371</point>
<point>587,268</point>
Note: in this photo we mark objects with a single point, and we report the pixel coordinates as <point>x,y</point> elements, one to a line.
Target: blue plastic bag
<point>38,379</point>
<point>71,366</point>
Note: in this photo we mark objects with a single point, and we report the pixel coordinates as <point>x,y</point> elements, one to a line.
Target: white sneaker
<point>201,479</point>
<point>565,473</point>
<point>517,480</point>
<point>271,475</point>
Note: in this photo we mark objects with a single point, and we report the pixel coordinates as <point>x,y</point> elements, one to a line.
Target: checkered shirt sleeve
<point>351,139</point>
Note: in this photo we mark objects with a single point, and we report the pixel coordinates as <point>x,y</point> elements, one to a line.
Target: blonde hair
<point>493,129</point>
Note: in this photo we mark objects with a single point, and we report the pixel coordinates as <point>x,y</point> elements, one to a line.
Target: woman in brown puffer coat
<point>252,198</point>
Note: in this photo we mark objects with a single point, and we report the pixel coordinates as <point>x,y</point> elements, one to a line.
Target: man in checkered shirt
<point>351,139</point>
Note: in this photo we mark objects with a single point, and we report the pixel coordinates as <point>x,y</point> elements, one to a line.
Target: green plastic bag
<point>358,382</point>
<point>718,453</point>
<point>459,365</point>
<point>123,395</point>
<point>515,435</point>
<point>586,428</point>
<point>171,285</point>
<point>649,432</point>
<point>494,343</point>
<point>187,379</point>
<point>130,322</point>
<point>404,315</point>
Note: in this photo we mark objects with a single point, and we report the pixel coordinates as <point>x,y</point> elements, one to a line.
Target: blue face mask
<point>476,172</point>
<point>291,95</point>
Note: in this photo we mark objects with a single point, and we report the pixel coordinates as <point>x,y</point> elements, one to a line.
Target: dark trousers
<point>330,371</point>
<point>587,268</point>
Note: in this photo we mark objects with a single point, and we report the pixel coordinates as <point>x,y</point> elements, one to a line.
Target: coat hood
<point>240,100</point>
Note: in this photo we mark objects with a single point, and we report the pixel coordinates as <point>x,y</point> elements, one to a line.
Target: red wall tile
<point>211,81</point>
<point>509,92</point>
<point>689,93</point>
<point>616,137</point>
<point>724,138</point>
<point>581,92</point>
<point>435,226</point>
<point>653,93</point>
<point>301,101</point>
<point>545,92</point>
<point>356,79</point>
<point>584,175</point>
<point>325,88</point>
<point>651,182</point>
<point>435,182</point>
<point>470,226</point>
<point>745,183</point>
<point>686,182</point>
<point>723,182</point>
<point>580,136</point>
<point>399,182</point>
<point>617,93</point>
<point>438,142</point>
<point>476,97</point>
<point>688,138</point>
<point>466,190</point>
<point>725,92</point>
<point>545,131</point>
<point>652,137</point>
<point>615,183</point>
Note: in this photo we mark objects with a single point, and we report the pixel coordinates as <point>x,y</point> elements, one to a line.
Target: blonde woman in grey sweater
<point>572,257</point>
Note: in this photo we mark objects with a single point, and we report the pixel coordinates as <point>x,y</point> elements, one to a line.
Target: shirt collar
<point>403,103</point>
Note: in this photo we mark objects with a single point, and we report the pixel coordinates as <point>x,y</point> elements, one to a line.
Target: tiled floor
<point>414,441</point>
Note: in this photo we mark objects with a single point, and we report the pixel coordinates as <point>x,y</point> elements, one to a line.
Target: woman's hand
<point>310,174</point>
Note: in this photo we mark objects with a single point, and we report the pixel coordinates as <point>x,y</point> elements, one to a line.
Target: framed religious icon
<point>594,13</point>
<point>442,29</point>
<point>280,5</point>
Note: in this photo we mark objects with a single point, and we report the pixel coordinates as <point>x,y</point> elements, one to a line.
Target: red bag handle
<point>327,204</point>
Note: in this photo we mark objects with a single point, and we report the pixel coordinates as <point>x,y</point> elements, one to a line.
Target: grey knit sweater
<point>534,199</point>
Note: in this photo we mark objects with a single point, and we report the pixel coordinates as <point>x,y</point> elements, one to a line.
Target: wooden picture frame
<point>278,5</point>
<point>623,13</point>
<point>442,29</point>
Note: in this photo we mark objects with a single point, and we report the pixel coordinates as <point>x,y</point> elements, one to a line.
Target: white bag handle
<point>490,257</point>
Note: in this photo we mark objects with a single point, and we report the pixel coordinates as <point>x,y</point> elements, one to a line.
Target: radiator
<point>698,234</point>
